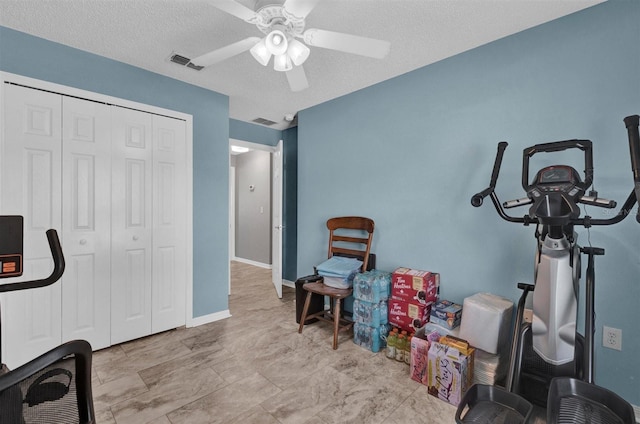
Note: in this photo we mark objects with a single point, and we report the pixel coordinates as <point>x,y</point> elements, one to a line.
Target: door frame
<point>277,224</point>
<point>264,148</point>
<point>7,77</point>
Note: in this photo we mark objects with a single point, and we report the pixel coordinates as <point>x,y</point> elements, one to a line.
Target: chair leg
<point>303,318</point>
<point>336,323</point>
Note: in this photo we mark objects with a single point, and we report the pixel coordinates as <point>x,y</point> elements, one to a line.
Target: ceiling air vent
<point>184,61</point>
<point>263,121</point>
<point>180,60</point>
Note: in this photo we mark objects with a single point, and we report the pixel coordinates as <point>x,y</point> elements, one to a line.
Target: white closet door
<point>131,225</point>
<point>169,223</point>
<point>31,156</point>
<point>86,192</point>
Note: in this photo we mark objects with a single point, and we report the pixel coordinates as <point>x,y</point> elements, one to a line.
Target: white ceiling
<point>144,33</point>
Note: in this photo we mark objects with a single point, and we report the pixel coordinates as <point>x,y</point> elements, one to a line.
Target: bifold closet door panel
<point>30,161</point>
<point>131,224</point>
<point>169,223</point>
<point>86,221</point>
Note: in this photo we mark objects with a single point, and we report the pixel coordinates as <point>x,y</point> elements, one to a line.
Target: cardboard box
<point>411,285</point>
<point>419,365</point>
<point>445,323</point>
<point>450,369</point>
<point>446,313</point>
<point>445,309</point>
<point>408,316</point>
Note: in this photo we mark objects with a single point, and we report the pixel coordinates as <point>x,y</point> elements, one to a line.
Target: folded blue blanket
<point>338,266</point>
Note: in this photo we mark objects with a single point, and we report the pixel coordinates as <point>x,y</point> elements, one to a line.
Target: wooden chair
<point>342,242</point>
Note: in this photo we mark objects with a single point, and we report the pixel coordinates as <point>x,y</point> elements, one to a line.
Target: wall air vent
<point>263,121</point>
<point>184,61</point>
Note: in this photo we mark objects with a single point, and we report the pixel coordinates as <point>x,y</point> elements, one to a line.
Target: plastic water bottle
<point>407,351</point>
<point>391,344</point>
<point>400,348</point>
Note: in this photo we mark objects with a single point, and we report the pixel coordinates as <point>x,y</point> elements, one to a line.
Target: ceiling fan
<point>283,22</point>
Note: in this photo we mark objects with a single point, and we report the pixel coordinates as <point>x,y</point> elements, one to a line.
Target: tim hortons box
<point>408,316</point>
<point>415,286</point>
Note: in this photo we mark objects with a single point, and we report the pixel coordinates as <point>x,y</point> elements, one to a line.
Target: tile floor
<point>255,368</point>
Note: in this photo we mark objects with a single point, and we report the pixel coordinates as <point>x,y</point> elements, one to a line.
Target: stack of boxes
<point>412,294</point>
<point>371,291</point>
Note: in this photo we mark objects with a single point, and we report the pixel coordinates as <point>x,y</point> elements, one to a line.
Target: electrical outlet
<point>612,338</point>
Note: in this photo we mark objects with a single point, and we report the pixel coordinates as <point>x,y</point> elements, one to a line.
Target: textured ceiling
<point>144,33</point>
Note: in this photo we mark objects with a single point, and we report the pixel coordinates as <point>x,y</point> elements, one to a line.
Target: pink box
<point>415,286</point>
<point>419,360</point>
<point>408,316</point>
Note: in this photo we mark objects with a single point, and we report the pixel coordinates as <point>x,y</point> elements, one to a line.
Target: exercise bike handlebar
<point>632,122</point>
<point>58,268</point>
<point>476,199</point>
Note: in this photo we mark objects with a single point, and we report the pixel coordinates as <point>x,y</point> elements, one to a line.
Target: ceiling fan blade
<point>226,52</point>
<point>299,8</point>
<point>348,43</point>
<point>297,79</point>
<point>236,9</point>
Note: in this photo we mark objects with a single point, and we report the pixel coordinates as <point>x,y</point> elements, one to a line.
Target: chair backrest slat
<point>359,247</point>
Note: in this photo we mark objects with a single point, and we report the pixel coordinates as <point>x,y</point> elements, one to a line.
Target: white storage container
<point>486,322</point>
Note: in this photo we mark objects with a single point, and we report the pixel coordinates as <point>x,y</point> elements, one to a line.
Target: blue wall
<point>254,133</point>
<point>37,58</point>
<point>245,131</point>
<point>410,152</point>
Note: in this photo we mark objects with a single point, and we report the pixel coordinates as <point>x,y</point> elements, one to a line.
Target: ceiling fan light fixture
<point>261,53</point>
<point>298,52</point>
<point>282,63</point>
<point>276,42</point>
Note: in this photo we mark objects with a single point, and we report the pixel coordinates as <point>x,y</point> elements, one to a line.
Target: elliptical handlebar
<point>632,122</point>
<point>58,268</point>
<point>476,199</point>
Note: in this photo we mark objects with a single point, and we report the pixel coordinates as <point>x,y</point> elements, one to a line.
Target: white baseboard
<point>206,319</point>
<point>250,262</point>
<point>288,283</point>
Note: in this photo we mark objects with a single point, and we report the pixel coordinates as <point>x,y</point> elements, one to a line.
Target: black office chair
<point>53,388</point>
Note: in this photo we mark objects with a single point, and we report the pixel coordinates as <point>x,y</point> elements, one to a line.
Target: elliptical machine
<point>550,346</point>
